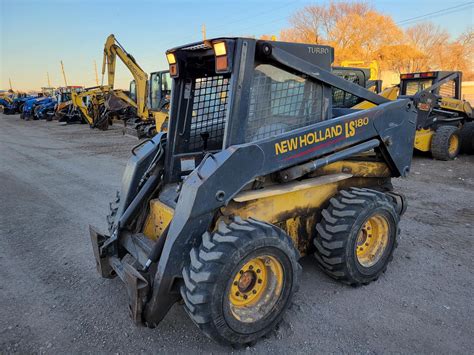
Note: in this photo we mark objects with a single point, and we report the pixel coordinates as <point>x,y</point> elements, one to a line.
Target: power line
<point>256,15</point>
<point>442,11</point>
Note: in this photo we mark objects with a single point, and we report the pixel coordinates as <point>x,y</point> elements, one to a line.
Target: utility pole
<point>10,81</point>
<point>49,82</point>
<point>203,30</point>
<point>96,75</point>
<point>64,73</point>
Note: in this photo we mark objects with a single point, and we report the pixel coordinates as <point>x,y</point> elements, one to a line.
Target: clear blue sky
<point>37,34</point>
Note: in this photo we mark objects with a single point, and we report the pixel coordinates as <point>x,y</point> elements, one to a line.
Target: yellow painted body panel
<point>295,211</point>
<point>423,139</point>
<point>373,65</point>
<point>389,93</point>
<point>356,168</point>
<point>158,219</point>
<point>161,120</point>
<point>295,206</point>
<point>456,105</point>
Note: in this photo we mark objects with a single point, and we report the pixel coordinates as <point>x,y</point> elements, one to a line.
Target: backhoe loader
<point>256,170</point>
<point>449,127</point>
<point>94,109</point>
<point>147,121</point>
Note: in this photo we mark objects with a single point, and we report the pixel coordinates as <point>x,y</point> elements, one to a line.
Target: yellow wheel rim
<point>372,240</point>
<point>256,288</point>
<point>453,144</point>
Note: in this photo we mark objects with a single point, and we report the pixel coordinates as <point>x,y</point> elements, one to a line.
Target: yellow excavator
<point>148,121</point>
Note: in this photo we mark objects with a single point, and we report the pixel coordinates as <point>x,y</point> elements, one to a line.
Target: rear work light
<point>417,75</point>
<point>173,64</point>
<point>427,75</point>
<point>220,51</point>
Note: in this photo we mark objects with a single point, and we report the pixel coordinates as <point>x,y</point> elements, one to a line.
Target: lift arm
<point>112,49</point>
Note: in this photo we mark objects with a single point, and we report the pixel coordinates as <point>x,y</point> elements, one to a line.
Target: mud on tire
<point>445,144</point>
<point>344,224</point>
<point>212,272</point>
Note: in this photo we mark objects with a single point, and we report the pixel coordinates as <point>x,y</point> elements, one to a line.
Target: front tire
<point>240,281</point>
<point>357,235</point>
<point>446,143</point>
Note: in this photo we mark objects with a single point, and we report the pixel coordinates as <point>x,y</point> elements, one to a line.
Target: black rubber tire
<point>113,207</point>
<point>440,143</point>
<point>467,138</point>
<point>337,232</point>
<point>208,278</point>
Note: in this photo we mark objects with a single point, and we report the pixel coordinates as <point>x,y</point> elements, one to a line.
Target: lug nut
<point>251,267</point>
<point>259,281</point>
<point>235,283</point>
<point>258,271</point>
<point>245,297</point>
<point>237,293</point>
<point>254,292</point>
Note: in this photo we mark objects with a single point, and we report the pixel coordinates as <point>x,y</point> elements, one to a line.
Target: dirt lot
<point>56,180</point>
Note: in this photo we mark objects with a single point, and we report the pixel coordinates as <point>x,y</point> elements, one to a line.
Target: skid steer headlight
<point>222,62</point>
<point>173,64</point>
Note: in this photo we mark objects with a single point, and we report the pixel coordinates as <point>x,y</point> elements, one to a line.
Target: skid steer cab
<point>449,129</point>
<point>256,170</point>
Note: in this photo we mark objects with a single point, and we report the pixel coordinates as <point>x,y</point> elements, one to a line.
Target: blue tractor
<point>44,110</point>
<point>29,105</point>
<point>17,105</point>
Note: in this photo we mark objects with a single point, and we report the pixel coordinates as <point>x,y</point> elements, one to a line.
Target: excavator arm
<point>112,49</point>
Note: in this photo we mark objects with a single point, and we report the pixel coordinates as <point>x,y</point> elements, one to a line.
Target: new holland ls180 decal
<point>345,130</point>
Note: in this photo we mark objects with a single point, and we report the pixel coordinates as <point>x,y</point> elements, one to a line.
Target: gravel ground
<point>56,180</point>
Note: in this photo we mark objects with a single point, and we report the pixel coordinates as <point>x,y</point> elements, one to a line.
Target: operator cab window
<point>166,85</point>
<point>341,98</point>
<point>280,102</point>
<point>155,92</point>
<point>448,89</point>
<point>415,86</point>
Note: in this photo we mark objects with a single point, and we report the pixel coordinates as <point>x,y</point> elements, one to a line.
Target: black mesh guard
<point>207,119</point>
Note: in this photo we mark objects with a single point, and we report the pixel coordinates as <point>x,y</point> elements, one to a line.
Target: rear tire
<point>446,143</point>
<point>240,281</point>
<point>467,138</point>
<point>357,235</point>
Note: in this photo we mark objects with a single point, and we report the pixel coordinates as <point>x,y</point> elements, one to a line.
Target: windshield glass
<point>281,102</point>
<point>414,86</point>
<point>155,91</point>
<point>166,84</point>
